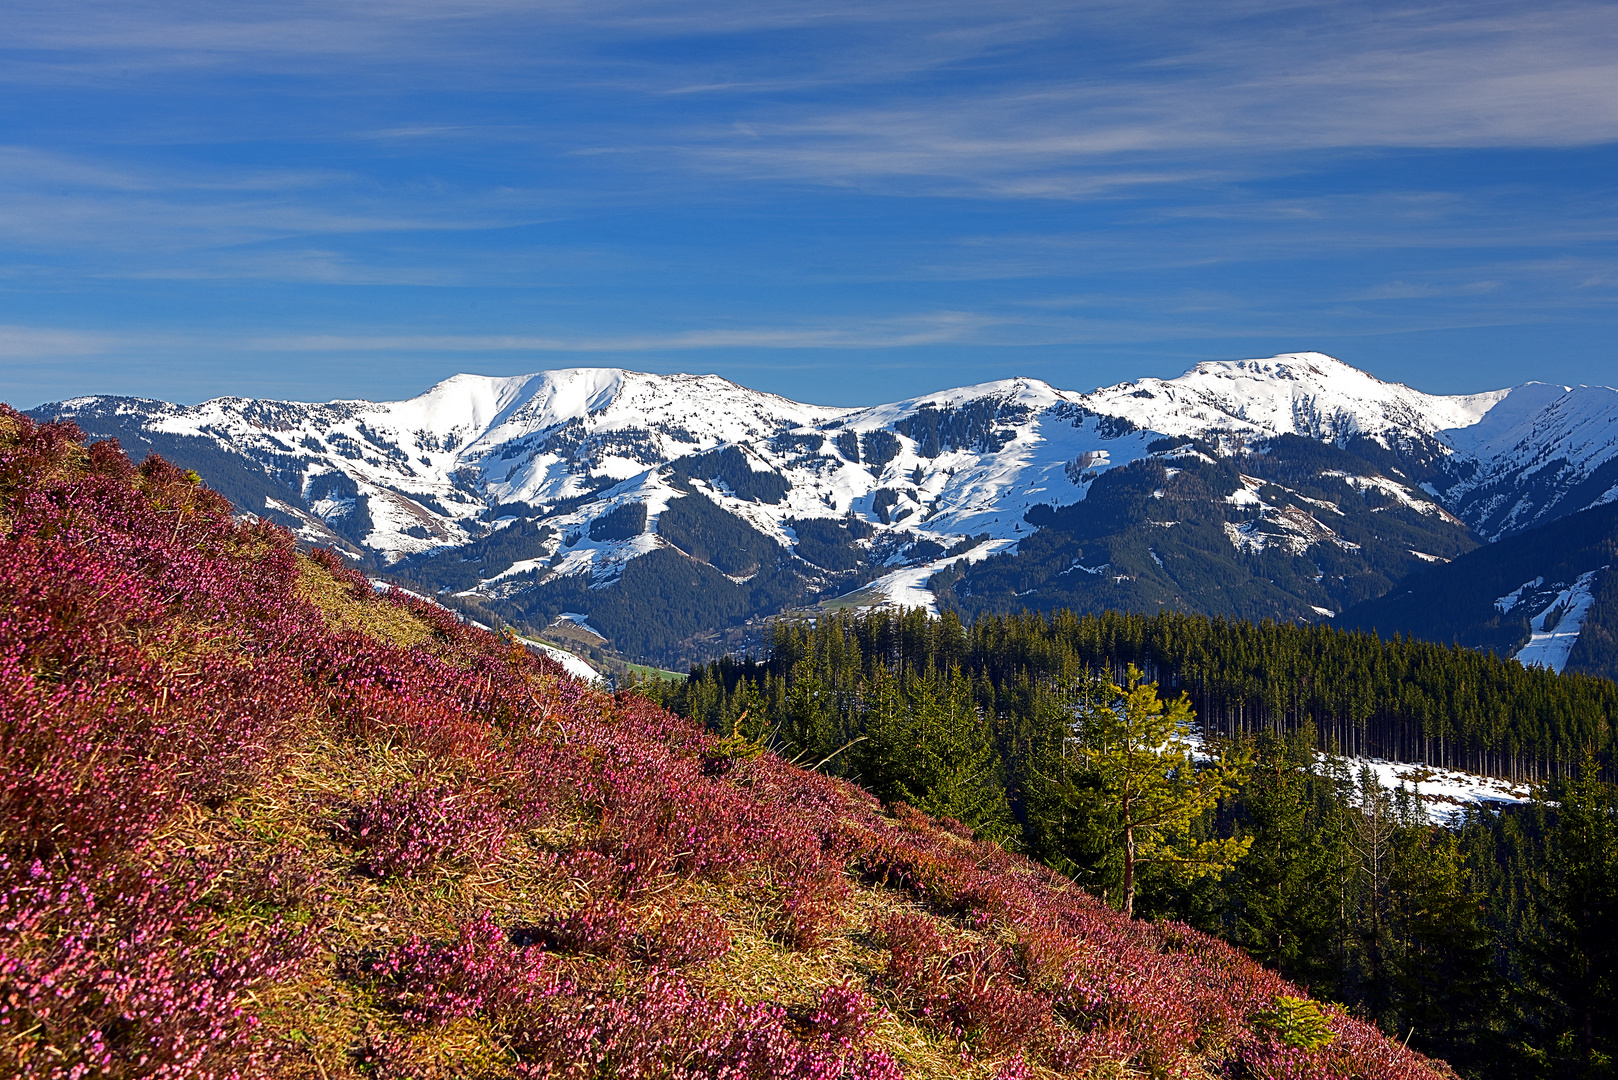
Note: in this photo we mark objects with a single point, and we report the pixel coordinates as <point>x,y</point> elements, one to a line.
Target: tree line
<point>1399,698</point>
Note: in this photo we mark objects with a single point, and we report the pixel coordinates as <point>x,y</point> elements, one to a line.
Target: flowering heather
<point>602,927</point>
<point>256,820</point>
<point>117,971</point>
<point>414,826</point>
<point>685,937</point>
<point>481,971</point>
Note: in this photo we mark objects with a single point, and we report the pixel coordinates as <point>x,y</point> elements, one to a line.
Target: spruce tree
<point>1284,898</point>
<point>1444,973</point>
<point>1577,957</point>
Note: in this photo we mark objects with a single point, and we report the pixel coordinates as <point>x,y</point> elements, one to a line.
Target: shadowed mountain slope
<point>1547,596</point>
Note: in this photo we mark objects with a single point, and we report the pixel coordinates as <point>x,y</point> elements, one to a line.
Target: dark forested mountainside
<point>1294,529</point>
<point>1486,598</point>
<point>1399,698</point>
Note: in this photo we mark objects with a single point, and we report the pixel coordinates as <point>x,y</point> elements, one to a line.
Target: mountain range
<point>668,513</point>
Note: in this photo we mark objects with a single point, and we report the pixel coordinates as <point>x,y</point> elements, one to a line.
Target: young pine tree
<point>1130,768</point>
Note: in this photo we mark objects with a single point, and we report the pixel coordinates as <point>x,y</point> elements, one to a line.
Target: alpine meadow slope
<point>1290,488</point>
<point>258,820</point>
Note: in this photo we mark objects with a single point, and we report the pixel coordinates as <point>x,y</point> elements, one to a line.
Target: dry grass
<point>380,620</point>
<point>327,1020</point>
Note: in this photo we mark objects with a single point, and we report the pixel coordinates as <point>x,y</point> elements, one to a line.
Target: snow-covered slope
<point>1552,454</point>
<point>575,666</point>
<point>954,463</point>
<point>598,455</point>
<point>1555,630</point>
<point>1308,394</point>
<point>1445,795</point>
<point>1535,595</point>
<point>1507,459</point>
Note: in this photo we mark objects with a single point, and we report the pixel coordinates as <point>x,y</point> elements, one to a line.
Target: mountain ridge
<point>832,500</point>
<point>1544,596</point>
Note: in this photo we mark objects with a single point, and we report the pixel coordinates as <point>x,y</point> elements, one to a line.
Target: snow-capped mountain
<point>1308,394</point>
<point>1544,452</point>
<point>497,487</point>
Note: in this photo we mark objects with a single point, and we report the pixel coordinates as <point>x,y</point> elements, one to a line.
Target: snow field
<point>1554,630</point>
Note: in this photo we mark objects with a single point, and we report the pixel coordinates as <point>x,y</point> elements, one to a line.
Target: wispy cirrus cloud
<point>887,334</point>
<point>51,343</point>
<point>904,332</point>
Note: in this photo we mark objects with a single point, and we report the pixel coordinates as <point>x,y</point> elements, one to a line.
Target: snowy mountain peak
<point>1020,394</point>
<point>1308,394</point>
<point>1544,452</point>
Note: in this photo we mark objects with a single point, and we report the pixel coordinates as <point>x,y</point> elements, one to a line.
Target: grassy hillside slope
<point>257,821</point>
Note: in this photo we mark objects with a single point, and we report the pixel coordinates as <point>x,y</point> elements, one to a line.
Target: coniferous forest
<point>1486,941</point>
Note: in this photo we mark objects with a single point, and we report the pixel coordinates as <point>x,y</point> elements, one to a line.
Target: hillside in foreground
<point>257,820</point>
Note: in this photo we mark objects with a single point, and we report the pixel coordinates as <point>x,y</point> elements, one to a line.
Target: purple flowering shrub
<point>482,971</point>
<point>685,937</point>
<point>158,664</point>
<point>413,827</point>
<point>668,1027</point>
<point>961,986</point>
<point>601,927</point>
<point>841,1016</point>
<point>560,1017</point>
<point>118,972</point>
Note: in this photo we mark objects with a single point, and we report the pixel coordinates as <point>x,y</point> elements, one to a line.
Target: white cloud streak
<point>890,334</point>
<point>46,343</point>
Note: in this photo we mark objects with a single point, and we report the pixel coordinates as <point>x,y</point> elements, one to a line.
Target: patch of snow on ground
<point>1326,611</point>
<point>384,586</point>
<point>575,666</point>
<point>1509,601</point>
<point>1398,492</point>
<point>1246,495</point>
<point>907,588</point>
<point>582,622</point>
<point>1554,630</point>
<point>1445,794</point>
<point>521,566</point>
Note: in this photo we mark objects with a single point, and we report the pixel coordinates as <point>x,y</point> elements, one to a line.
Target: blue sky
<point>842,203</point>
